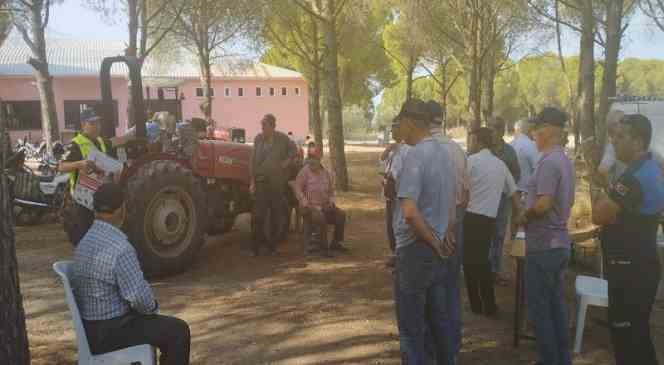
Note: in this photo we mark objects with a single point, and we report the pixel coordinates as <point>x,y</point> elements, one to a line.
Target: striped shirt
<point>107,279</point>
<point>316,189</point>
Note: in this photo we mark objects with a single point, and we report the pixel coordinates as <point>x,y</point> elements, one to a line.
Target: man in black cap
<point>550,196</point>
<point>77,217</point>
<point>116,303</point>
<point>629,214</point>
<point>426,190</point>
<point>462,186</point>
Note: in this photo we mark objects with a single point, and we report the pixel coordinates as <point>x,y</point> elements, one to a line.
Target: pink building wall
<point>17,88</point>
<point>291,111</point>
<point>245,112</point>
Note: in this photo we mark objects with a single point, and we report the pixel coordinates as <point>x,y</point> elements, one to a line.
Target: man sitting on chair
<point>314,188</point>
<point>116,303</point>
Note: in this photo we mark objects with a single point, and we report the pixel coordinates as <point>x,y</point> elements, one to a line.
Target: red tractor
<point>179,189</point>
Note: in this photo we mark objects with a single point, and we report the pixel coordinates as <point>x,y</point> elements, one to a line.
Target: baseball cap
<point>551,116</point>
<point>435,112</point>
<point>89,115</point>
<point>414,109</point>
<point>108,198</point>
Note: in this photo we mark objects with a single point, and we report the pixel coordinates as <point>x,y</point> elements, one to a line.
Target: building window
<point>73,109</point>
<point>297,91</point>
<point>240,91</point>
<point>227,92</point>
<point>199,92</point>
<point>23,114</point>
<point>259,91</point>
<point>271,91</point>
<point>284,91</point>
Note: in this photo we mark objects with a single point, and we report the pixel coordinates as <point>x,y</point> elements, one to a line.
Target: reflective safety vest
<point>85,144</point>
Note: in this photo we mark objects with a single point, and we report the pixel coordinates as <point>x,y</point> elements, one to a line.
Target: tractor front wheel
<point>166,217</point>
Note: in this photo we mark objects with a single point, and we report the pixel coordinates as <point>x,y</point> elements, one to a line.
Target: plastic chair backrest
<point>64,270</point>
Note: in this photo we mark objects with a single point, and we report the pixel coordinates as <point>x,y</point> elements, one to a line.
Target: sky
<point>71,19</point>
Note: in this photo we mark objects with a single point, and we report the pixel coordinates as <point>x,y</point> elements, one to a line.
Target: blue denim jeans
<point>546,304</point>
<point>422,306</point>
<point>502,219</point>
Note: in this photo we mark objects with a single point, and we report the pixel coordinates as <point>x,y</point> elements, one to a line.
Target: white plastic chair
<point>141,354</point>
<point>589,291</point>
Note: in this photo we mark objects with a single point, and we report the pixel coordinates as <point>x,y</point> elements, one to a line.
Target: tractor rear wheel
<point>166,217</point>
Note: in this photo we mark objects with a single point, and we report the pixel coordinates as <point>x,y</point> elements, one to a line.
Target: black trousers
<point>76,221</point>
<point>390,205</point>
<point>477,234</point>
<point>632,291</point>
<point>269,215</point>
<point>319,219</point>
<point>169,334</point>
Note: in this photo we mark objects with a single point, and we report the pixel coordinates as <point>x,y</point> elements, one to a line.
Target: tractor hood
<point>222,160</point>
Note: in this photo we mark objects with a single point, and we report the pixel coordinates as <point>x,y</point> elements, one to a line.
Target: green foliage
<point>526,86</point>
<point>364,68</point>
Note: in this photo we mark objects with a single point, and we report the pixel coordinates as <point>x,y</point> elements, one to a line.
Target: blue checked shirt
<point>107,278</point>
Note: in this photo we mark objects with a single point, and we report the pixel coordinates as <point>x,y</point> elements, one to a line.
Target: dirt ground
<point>288,309</point>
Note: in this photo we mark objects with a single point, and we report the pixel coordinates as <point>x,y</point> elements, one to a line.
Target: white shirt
<point>489,179</point>
<point>395,160</point>
<point>528,156</point>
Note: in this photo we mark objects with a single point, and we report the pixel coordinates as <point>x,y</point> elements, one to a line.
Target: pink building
<point>243,90</point>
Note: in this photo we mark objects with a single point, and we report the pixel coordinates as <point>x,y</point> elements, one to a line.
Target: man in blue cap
<point>79,218</point>
<point>548,205</point>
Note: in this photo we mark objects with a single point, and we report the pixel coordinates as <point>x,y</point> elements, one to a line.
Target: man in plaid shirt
<point>314,188</point>
<point>116,303</point>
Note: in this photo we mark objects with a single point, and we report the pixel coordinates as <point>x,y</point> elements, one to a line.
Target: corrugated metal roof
<point>68,57</point>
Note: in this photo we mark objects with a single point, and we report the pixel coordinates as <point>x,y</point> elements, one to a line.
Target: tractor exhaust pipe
<point>107,106</point>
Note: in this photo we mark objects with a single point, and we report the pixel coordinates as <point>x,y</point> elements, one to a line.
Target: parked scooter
<point>36,195</point>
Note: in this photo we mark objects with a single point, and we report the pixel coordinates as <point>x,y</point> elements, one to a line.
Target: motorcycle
<point>37,195</point>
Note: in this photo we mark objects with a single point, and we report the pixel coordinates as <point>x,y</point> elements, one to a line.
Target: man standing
<point>489,181</point>
<point>116,303</point>
<point>424,187</point>
<point>314,188</point>
<point>272,156</point>
<point>461,197</point>
<point>77,217</point>
<point>508,155</point>
<point>526,153</point>
<point>549,202</point>
<point>395,154</point>
<point>629,214</point>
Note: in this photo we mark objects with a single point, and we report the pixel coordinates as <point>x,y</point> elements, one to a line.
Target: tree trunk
<point>475,84</point>
<point>132,8</point>
<point>586,96</point>
<point>333,98</point>
<point>49,116</point>
<point>206,84</point>
<point>314,97</point>
<point>14,347</point>
<point>50,130</point>
<point>409,78</point>
<point>613,37</point>
<point>489,83</point>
